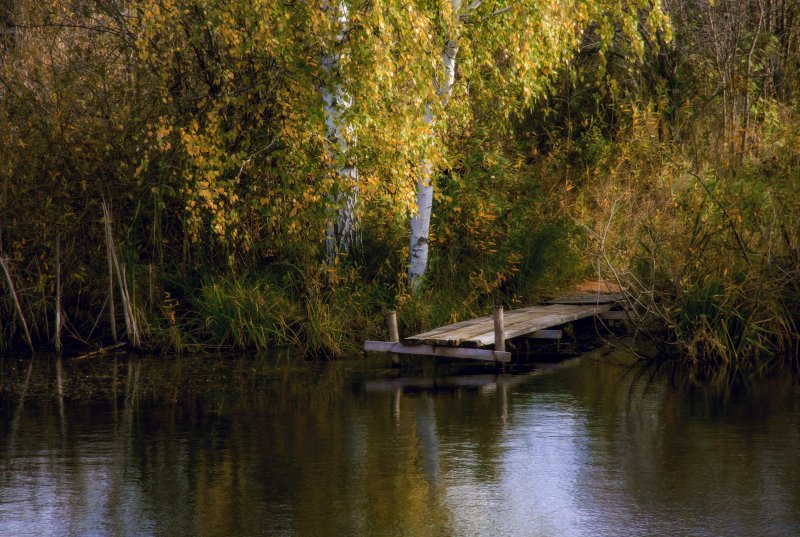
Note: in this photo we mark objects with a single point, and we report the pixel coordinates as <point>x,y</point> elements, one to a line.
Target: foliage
<point>579,137</point>
<point>710,254</point>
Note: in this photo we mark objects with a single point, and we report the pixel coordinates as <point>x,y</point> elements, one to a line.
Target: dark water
<point>274,446</point>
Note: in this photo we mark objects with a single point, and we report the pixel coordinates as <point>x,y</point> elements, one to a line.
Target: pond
<point>273,445</point>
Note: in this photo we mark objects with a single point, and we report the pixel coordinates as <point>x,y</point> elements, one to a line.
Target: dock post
<point>499,333</point>
<point>394,334</point>
<point>499,328</point>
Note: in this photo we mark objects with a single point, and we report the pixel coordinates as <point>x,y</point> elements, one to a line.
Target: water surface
<point>277,446</point>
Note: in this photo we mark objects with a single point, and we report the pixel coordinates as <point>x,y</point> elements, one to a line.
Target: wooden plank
<point>513,320</point>
<point>544,334</point>
<point>540,323</point>
<point>588,298</point>
<point>453,335</point>
<point>616,314</point>
<point>432,350</point>
<point>419,339</point>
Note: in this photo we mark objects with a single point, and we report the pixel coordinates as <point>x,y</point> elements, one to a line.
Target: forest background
<point>197,174</point>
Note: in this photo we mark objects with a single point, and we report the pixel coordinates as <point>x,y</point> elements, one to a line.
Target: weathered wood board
<point>588,298</point>
<point>522,322</point>
<point>431,350</point>
<point>544,334</point>
<point>453,332</point>
<point>464,339</point>
<point>537,322</point>
<point>617,315</point>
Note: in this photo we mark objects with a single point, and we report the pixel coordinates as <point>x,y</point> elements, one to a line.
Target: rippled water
<point>275,446</point>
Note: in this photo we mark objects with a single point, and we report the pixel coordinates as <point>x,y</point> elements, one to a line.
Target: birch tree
<point>421,220</point>
<point>497,59</point>
<point>341,231</point>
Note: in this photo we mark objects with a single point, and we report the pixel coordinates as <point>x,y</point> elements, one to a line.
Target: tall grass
<point>708,252</point>
<point>261,312</point>
<point>243,313</point>
<point>721,323</point>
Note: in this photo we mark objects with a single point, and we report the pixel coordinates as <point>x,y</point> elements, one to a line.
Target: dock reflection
<point>248,447</point>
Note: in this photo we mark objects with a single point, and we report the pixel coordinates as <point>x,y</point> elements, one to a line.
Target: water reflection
<point>270,446</point>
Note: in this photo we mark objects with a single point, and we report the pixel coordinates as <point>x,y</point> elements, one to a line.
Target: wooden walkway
<point>470,339</point>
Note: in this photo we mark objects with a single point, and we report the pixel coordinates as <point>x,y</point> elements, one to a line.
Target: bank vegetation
<point>188,174</point>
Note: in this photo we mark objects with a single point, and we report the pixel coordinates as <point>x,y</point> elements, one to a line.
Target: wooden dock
<point>484,338</point>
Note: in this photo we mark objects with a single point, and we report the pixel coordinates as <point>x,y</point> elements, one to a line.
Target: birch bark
<point>421,221</point>
<point>342,229</point>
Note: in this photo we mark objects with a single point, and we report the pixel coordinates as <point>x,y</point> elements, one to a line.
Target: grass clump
<point>245,313</point>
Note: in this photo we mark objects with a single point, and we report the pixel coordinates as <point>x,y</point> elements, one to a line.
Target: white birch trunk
<point>341,232</point>
<point>420,228</point>
<point>421,221</point>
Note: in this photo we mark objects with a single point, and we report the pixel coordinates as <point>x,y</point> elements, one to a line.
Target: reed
<point>110,263</point>
<point>118,269</point>
<point>15,297</point>
<point>323,329</point>
<point>59,320</point>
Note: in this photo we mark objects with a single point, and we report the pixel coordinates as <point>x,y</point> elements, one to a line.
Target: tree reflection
<point>248,446</point>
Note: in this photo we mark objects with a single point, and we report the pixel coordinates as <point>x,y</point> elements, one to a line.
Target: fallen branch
<point>102,350</point>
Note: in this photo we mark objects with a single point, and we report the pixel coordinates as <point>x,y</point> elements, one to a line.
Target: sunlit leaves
<point>217,105</point>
